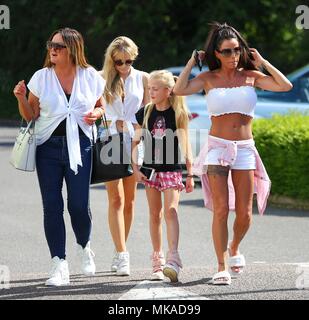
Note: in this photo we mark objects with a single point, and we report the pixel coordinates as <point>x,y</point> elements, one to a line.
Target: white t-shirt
<point>87,89</point>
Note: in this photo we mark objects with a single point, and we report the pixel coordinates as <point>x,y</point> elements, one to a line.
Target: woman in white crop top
<point>62,98</point>
<point>125,92</point>
<point>230,158</point>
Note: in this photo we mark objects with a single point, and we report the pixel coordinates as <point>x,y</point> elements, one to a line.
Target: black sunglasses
<point>120,62</point>
<point>54,45</point>
<point>228,52</point>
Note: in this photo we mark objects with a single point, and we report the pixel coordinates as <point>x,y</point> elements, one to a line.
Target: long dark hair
<point>219,33</point>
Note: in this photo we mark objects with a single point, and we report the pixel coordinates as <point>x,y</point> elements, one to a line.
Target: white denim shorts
<point>245,159</point>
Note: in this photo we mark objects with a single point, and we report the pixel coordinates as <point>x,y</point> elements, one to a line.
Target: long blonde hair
<point>75,45</point>
<point>167,79</point>
<point>114,86</point>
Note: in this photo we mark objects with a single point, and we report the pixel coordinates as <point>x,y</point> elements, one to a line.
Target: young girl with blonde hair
<point>162,154</point>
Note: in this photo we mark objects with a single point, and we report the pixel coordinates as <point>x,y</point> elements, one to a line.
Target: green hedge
<point>283,144</point>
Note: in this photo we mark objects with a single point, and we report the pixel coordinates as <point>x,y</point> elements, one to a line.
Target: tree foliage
<point>166,32</point>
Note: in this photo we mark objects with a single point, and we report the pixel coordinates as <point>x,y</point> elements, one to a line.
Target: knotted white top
<point>54,107</point>
<point>125,110</point>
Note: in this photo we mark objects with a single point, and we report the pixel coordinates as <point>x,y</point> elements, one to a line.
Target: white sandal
<point>221,278</point>
<point>237,261</point>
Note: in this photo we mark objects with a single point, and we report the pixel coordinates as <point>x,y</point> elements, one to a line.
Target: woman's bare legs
<point>219,190</point>
<point>155,218</point>
<point>121,197</point>
<point>115,213</point>
<point>129,187</point>
<point>243,181</point>
<point>171,200</point>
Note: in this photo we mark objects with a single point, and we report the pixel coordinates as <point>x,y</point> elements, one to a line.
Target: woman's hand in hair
<point>258,59</point>
<point>201,56</point>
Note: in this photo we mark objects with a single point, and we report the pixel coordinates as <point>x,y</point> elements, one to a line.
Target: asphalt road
<point>275,248</point>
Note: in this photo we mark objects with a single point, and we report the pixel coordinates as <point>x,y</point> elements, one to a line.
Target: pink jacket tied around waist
<point>262,182</point>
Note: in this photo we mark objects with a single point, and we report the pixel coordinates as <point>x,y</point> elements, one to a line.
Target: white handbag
<point>23,153</point>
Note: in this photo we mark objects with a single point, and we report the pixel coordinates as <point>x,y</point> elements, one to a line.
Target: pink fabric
<point>262,182</point>
<point>166,180</point>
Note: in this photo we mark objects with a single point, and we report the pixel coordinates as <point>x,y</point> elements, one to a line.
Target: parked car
<point>299,93</point>
<point>268,104</point>
<point>194,72</point>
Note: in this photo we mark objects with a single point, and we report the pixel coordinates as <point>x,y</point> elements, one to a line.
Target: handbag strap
<point>146,109</point>
<point>30,125</point>
<point>105,125</point>
<point>104,121</point>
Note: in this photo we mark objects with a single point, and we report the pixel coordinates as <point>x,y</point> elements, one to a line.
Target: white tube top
<point>231,100</point>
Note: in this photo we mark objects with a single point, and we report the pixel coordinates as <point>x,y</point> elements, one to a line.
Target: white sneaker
<point>115,262</point>
<point>123,267</point>
<point>172,267</point>
<point>86,255</point>
<point>157,276</point>
<point>171,271</point>
<point>158,262</point>
<point>59,275</point>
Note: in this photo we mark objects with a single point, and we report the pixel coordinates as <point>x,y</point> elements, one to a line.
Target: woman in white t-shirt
<point>65,99</point>
<point>126,90</point>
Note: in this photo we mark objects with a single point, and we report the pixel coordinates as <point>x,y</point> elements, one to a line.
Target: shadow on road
<point>270,210</point>
<point>36,289</point>
<point>6,144</point>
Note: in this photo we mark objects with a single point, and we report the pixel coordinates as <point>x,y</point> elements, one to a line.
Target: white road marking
<point>295,263</point>
<point>157,290</point>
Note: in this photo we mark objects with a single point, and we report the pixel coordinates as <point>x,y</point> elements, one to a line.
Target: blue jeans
<point>52,164</point>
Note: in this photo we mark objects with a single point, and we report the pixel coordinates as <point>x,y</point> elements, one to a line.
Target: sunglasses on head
<point>229,52</point>
<point>54,45</point>
<point>120,62</point>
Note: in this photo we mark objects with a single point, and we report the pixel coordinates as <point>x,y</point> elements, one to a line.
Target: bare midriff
<point>234,126</point>
<point>122,126</point>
